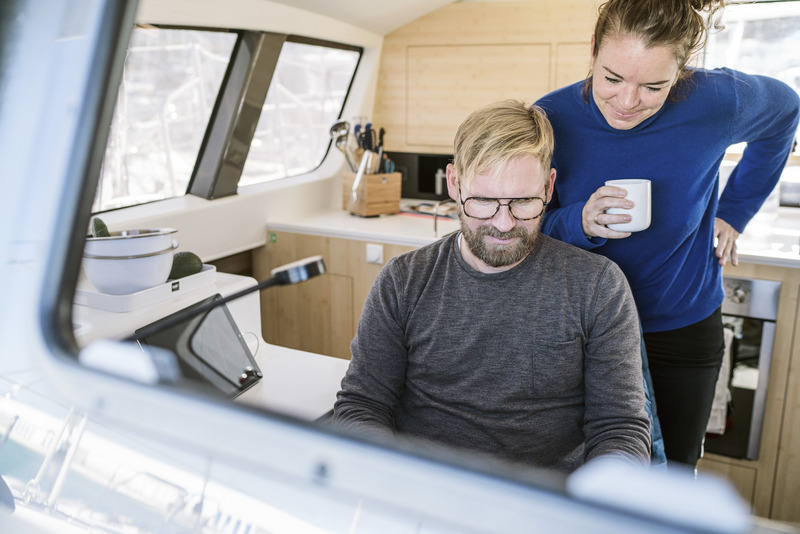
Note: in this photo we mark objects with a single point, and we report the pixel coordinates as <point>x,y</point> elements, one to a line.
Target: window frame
<point>59,284</point>
<point>229,133</point>
<point>227,142</point>
<point>313,460</point>
<point>231,126</point>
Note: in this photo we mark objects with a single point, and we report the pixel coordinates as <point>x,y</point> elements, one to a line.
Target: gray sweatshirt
<point>536,364</point>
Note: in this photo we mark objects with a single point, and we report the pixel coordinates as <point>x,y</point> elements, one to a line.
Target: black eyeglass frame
<point>499,205</point>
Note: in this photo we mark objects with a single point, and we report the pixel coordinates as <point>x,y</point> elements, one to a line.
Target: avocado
<point>99,228</point>
<point>184,264</point>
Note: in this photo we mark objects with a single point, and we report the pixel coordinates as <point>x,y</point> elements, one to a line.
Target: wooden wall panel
<point>571,63</point>
<point>434,70</point>
<point>503,22</point>
<point>446,81</point>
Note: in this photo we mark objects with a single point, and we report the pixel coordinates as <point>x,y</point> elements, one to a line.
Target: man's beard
<point>498,255</point>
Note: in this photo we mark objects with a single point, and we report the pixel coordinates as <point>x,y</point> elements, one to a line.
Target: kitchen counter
<point>777,256</point>
<point>777,244</point>
<point>772,238</point>
<point>296,383</point>
<point>410,229</point>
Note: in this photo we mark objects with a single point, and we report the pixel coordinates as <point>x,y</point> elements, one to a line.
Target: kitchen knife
<point>380,148</point>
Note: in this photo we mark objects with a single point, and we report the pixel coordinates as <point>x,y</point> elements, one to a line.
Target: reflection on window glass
<point>169,85</point>
<point>305,97</point>
<point>74,474</point>
<point>759,38</point>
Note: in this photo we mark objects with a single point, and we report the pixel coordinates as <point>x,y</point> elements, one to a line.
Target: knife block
<point>378,194</point>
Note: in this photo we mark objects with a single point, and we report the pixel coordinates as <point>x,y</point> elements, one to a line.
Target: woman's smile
<point>631,82</point>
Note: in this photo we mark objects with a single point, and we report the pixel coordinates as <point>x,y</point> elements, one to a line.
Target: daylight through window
<point>169,85</point>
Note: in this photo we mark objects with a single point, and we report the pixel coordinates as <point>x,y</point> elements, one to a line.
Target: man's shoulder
<point>424,255</point>
<point>556,246</point>
<point>584,273</point>
<point>575,258</point>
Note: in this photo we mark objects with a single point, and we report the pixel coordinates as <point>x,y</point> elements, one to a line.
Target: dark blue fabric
<point>658,456</point>
<point>671,266</point>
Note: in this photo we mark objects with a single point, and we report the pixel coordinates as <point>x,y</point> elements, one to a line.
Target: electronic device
<point>209,346</point>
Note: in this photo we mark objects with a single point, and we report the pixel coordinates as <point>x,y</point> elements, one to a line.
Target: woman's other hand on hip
<point>725,236</point>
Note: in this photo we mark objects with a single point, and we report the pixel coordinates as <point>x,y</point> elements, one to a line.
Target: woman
<point>642,113</point>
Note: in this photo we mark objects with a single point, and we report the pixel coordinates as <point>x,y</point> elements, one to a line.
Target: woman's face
<point>630,82</point>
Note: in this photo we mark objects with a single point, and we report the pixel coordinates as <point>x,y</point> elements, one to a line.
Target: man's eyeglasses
<point>522,209</point>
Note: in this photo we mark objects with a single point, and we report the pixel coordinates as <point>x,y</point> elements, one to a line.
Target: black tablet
<point>209,346</point>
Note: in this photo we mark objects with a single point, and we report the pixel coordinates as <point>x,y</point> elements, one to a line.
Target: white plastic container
<point>85,295</point>
<point>122,275</point>
<point>130,242</point>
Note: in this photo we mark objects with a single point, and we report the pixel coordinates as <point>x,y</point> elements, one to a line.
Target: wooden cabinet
<point>319,315</point>
<point>785,501</point>
<point>742,477</point>
<point>771,483</point>
<point>444,65</point>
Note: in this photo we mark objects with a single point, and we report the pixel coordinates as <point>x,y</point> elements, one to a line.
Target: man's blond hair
<point>493,135</point>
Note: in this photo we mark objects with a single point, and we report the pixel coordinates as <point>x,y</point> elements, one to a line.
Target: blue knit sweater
<point>671,266</point>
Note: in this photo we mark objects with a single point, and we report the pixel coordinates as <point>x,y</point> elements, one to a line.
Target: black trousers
<point>684,365</point>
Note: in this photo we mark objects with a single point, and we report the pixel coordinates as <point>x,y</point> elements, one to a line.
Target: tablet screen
<point>209,346</point>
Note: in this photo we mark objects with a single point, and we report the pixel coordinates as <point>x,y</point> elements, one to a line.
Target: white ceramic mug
<point>638,192</point>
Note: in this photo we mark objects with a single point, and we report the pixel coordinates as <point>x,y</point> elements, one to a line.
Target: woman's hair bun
<point>706,5</point>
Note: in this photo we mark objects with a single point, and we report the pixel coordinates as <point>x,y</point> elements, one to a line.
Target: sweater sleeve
<point>766,118</point>
<point>615,419</point>
<point>565,108</point>
<point>564,223</point>
<point>373,383</point>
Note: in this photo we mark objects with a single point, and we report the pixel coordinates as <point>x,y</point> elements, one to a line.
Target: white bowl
<point>122,275</point>
<point>130,242</point>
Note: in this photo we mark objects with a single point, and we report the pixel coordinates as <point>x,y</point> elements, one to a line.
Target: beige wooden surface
<point>321,314</point>
<point>444,83</point>
<point>437,69</point>
<point>786,499</point>
<point>742,477</point>
<point>767,473</point>
<point>377,194</point>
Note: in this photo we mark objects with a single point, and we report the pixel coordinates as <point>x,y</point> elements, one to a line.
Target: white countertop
<point>778,247</point>
<point>400,229</point>
<point>297,383</point>
<point>772,238</point>
<point>776,258</point>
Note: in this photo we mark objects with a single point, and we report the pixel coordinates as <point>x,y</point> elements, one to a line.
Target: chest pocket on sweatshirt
<point>557,368</point>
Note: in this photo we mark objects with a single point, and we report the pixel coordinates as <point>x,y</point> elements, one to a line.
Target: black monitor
<point>209,346</point>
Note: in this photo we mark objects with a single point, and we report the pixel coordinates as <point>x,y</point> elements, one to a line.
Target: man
<point>499,339</point>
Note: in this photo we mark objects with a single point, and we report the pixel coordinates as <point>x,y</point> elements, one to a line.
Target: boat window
<point>306,95</point>
<point>758,38</point>
<point>170,83</point>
